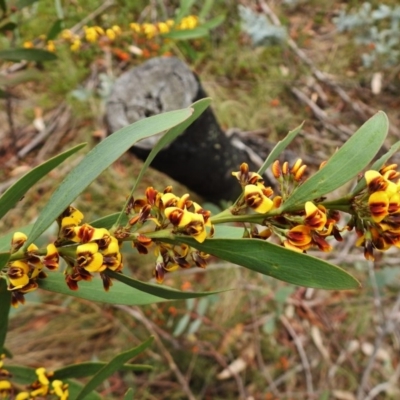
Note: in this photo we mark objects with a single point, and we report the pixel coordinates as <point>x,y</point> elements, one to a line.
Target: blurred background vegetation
<point>268,65</point>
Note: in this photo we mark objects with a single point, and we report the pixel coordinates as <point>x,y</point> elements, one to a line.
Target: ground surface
<point>281,341</point>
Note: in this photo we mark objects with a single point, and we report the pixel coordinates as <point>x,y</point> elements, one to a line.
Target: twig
<point>387,328</point>
<point>92,15</point>
<point>137,314</point>
<point>377,296</point>
<point>302,354</point>
<point>10,120</point>
<point>321,76</point>
<point>221,360</point>
<point>321,115</point>
<point>257,346</point>
<point>385,386</point>
<point>361,109</point>
<point>42,135</point>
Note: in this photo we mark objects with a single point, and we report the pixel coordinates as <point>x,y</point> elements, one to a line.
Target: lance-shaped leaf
<point>3,6</point>
<point>276,261</point>
<point>119,293</point>
<point>56,28</point>
<point>205,10</point>
<point>109,220</point>
<point>97,160</point>
<point>157,290</point>
<point>187,34</point>
<point>5,304</point>
<point>129,394</point>
<point>213,23</point>
<point>114,365</point>
<point>198,108</point>
<point>15,192</point>
<point>125,290</point>
<point>184,8</point>
<point>345,164</point>
<point>27,54</point>
<point>279,147</point>
<point>86,369</point>
<point>23,375</point>
<point>4,257</point>
<point>24,3</point>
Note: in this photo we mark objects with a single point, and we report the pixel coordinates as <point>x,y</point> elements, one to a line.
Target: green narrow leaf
<point>3,6</point>
<point>4,258</point>
<point>213,23</point>
<point>22,375</point>
<point>109,220</point>
<point>86,369</point>
<point>3,94</point>
<point>205,10</point>
<point>5,304</point>
<point>129,394</point>
<point>56,28</point>
<point>377,165</point>
<point>74,388</point>
<point>184,8</point>
<point>25,3</point>
<point>345,164</point>
<point>15,192</point>
<point>279,147</point>
<point>59,9</point>
<point>7,353</point>
<point>199,107</point>
<point>113,366</point>
<point>228,232</point>
<point>8,26</point>
<point>276,261</point>
<point>20,77</point>
<point>186,34</point>
<point>182,325</point>
<point>119,293</point>
<point>97,160</point>
<point>164,292</point>
<point>27,54</point>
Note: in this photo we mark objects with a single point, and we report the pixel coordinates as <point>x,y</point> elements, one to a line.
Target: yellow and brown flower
<point>256,198</point>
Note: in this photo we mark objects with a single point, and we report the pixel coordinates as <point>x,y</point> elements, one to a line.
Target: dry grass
<point>281,342</point>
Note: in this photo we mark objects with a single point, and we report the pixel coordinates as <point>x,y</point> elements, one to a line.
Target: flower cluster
<point>23,272</point>
<point>181,216</point>
<point>105,36</point>
<point>377,211</point>
<point>97,250</point>
<point>87,250</point>
<point>297,230</point>
<point>44,386</point>
<point>151,30</point>
<point>374,212</point>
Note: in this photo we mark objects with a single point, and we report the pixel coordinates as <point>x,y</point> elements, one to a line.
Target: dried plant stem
<point>137,314</point>
<point>361,109</point>
<point>385,386</point>
<point>302,354</point>
<point>257,347</point>
<point>92,15</point>
<point>387,326</point>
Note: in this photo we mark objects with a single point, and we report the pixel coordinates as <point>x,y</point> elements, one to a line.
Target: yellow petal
<point>378,205</point>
